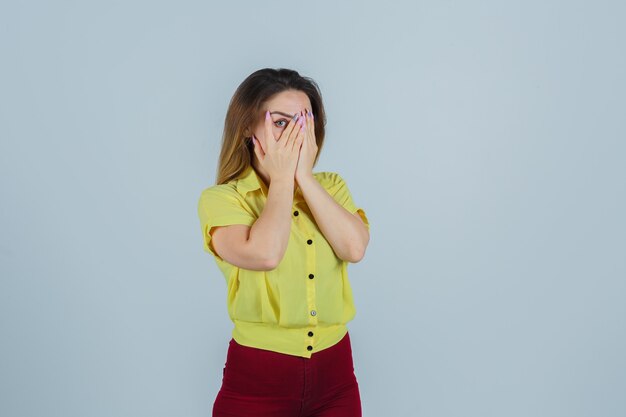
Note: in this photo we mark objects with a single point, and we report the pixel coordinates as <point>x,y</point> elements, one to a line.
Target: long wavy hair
<point>237,151</point>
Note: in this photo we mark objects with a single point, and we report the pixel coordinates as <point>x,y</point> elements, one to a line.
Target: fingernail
<point>295,117</point>
<point>267,114</point>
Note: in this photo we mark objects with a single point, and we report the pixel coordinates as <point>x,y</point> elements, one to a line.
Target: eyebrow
<point>283,114</point>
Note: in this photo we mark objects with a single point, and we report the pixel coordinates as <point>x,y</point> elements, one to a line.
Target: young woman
<point>283,236</point>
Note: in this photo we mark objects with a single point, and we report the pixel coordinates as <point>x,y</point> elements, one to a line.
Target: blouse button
<point>310,334</point>
<point>295,213</point>
<point>309,241</point>
<point>311,276</point>
<point>309,347</point>
<point>313,312</point>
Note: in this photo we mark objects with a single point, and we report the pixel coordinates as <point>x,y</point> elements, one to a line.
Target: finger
<point>297,142</point>
<point>261,146</point>
<point>306,124</point>
<point>269,133</point>
<point>310,125</point>
<point>294,133</point>
<point>284,137</point>
<point>257,149</point>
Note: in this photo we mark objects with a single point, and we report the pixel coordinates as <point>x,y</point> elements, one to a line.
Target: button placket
<point>310,286</point>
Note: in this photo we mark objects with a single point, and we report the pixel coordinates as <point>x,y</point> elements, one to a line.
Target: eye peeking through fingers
<point>279,121</point>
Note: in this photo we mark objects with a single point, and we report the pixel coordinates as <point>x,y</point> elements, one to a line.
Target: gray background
<point>484,139</point>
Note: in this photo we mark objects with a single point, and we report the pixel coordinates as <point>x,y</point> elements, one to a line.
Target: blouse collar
<point>251,181</point>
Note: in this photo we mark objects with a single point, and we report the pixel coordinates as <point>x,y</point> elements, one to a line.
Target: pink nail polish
<point>267,114</point>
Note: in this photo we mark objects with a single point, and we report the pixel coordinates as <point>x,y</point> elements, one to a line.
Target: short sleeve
<point>340,192</point>
<point>218,206</point>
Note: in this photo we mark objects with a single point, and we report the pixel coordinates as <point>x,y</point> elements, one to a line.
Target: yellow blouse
<point>300,307</point>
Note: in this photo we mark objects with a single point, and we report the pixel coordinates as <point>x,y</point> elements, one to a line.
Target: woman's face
<point>283,106</point>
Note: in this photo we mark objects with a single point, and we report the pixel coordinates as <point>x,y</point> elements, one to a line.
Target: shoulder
<point>226,191</point>
<point>328,178</point>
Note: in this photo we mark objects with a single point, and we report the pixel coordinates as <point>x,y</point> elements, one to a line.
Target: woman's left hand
<point>308,150</point>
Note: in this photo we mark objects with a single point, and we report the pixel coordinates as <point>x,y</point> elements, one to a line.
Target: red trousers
<point>264,383</point>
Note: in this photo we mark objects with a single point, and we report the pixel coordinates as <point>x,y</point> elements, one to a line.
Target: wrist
<point>304,178</point>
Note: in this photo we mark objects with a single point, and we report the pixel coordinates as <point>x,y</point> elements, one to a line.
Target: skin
<point>345,232</point>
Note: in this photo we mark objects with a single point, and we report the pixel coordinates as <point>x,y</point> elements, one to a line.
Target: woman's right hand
<point>279,157</point>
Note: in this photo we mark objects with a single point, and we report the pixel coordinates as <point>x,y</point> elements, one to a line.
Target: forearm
<point>346,233</point>
<point>272,229</point>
